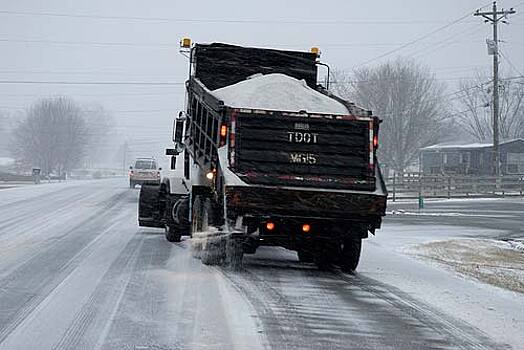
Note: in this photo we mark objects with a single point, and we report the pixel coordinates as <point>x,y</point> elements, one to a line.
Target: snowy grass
<point>443,214</point>
<point>490,261</point>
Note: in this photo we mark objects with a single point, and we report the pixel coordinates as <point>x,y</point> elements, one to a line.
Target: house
<point>473,159</point>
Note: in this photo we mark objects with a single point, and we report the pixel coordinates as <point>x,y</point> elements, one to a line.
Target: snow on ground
<point>29,190</point>
<point>5,161</point>
<point>489,261</point>
<point>278,92</point>
<point>423,213</point>
<point>400,201</point>
<point>385,257</point>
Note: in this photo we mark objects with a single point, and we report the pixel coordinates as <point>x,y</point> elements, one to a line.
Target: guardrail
<point>415,185</point>
<point>7,177</point>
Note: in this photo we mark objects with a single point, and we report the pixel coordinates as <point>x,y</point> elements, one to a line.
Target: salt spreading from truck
<point>278,92</point>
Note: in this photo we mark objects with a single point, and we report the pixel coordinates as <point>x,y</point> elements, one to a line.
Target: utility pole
<point>493,17</point>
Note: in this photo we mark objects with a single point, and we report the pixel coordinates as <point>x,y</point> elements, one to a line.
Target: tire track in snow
<point>91,324</point>
<point>138,320</point>
<point>23,289</point>
<point>22,213</point>
<point>464,335</point>
<point>303,308</point>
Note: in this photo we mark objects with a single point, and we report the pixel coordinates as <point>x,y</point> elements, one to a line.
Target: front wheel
<point>350,254</point>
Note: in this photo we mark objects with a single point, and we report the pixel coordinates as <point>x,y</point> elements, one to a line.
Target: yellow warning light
<point>185,43</point>
<point>315,50</point>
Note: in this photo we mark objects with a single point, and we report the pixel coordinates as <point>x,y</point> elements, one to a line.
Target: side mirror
<point>178,132</point>
<point>173,162</point>
<point>178,128</point>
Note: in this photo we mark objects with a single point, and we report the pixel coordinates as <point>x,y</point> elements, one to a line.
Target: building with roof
<point>473,159</point>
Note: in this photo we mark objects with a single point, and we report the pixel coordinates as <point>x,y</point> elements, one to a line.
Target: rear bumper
<point>145,181</point>
<point>280,202</point>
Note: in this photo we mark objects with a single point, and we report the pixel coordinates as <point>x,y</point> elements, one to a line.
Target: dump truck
<point>266,156</point>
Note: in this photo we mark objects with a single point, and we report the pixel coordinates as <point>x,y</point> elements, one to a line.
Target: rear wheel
<point>350,254</point>
<point>234,253</point>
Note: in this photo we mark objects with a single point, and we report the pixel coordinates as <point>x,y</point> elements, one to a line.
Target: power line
<point>173,93</point>
<point>417,39</point>
<point>175,45</point>
<point>43,82</point>
<point>218,20</point>
<point>445,42</point>
<point>511,63</point>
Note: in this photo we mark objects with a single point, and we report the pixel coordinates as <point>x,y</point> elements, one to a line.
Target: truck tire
<point>196,242</point>
<point>173,232</point>
<point>214,246</point>
<point>350,254</point>
<point>305,256</point>
<point>234,253</point>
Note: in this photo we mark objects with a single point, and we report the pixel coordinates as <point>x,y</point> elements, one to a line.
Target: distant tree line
<point>57,134</point>
<point>475,108</point>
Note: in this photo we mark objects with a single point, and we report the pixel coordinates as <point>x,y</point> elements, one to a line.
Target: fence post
<point>449,187</point>
<point>394,193</point>
<point>521,185</point>
<point>420,196</point>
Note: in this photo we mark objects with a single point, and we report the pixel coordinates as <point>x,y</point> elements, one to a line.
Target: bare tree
<point>409,100</point>
<point>6,127</point>
<point>53,136</point>
<point>475,109</point>
<point>101,143</point>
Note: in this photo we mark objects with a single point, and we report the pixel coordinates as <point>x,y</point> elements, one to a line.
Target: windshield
<point>145,164</point>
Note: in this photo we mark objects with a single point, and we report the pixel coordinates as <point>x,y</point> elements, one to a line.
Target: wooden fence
<point>414,185</point>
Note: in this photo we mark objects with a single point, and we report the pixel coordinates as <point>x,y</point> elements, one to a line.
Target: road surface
<point>76,272</point>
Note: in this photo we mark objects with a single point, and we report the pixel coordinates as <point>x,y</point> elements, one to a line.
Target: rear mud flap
<point>149,207</point>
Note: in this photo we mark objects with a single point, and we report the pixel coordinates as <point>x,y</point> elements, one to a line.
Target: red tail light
<point>306,228</point>
<point>270,226</point>
<point>375,141</point>
<point>223,134</point>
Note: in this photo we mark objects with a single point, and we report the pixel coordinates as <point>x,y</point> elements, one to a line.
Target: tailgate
<point>306,150</point>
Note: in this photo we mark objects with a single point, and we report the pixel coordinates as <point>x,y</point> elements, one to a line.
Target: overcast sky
<point>136,43</point>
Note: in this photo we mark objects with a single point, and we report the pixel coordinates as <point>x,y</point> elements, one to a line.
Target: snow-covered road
<point>76,272</point>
